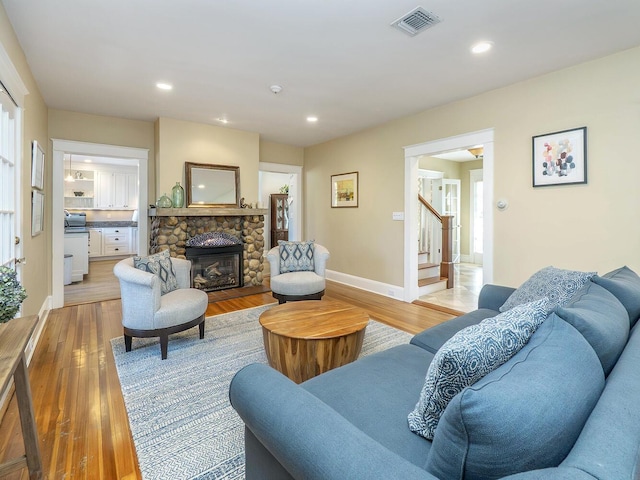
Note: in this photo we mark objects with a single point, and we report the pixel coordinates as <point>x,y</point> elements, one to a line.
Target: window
<point>9,172</point>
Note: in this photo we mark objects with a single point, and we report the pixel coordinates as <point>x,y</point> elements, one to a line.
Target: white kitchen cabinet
<point>116,241</point>
<point>95,242</point>
<point>77,244</point>
<point>116,190</point>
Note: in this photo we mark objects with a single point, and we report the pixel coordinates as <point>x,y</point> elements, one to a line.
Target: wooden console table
<point>14,337</point>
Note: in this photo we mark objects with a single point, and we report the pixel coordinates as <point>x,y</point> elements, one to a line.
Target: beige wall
<point>180,141</point>
<point>588,227</point>
<point>271,152</point>
<point>36,273</point>
<point>83,127</point>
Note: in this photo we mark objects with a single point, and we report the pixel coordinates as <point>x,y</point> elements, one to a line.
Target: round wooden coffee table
<point>307,338</point>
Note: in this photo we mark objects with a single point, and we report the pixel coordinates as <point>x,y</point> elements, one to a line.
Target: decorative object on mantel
<point>344,190</point>
<point>212,185</point>
<point>560,158</point>
<point>12,294</point>
<point>245,205</point>
<point>177,196</point>
<point>164,202</point>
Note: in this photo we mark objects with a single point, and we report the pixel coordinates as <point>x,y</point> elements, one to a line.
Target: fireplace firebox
<point>216,268</point>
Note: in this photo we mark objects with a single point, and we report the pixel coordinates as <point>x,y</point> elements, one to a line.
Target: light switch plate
<point>398,215</point>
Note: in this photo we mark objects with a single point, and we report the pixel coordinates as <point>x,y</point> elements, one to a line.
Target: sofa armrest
<point>182,269</point>
<point>139,293</point>
<point>494,296</point>
<point>306,436</point>
<point>273,256</point>
<point>321,255</point>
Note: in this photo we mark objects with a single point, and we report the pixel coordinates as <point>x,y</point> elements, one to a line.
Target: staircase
<point>429,279</point>
<point>435,268</point>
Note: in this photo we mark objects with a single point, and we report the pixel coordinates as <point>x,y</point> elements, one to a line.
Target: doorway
<point>412,156</point>
<point>277,178</point>
<point>62,147</point>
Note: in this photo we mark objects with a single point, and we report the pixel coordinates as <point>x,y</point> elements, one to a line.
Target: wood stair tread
<point>429,281</point>
<point>422,266</point>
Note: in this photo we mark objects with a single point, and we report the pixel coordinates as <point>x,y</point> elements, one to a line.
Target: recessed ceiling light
<point>482,47</point>
<point>87,160</point>
<point>222,120</point>
<point>164,86</point>
<point>312,119</point>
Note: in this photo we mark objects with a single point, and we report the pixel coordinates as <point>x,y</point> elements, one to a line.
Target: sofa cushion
<point>433,338</point>
<point>296,256</point>
<point>468,356</point>
<point>601,319</point>
<point>624,283</point>
<point>160,265</point>
<point>556,284</point>
<point>375,393</point>
<point>298,283</point>
<point>526,414</point>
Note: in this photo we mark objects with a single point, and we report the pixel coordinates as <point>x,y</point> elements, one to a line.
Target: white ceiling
<point>337,59</point>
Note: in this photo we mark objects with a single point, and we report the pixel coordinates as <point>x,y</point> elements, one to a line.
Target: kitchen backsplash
<point>105,215</point>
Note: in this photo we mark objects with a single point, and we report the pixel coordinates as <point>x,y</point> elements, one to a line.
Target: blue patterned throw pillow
<point>160,265</point>
<point>468,356</point>
<point>296,256</point>
<point>553,283</point>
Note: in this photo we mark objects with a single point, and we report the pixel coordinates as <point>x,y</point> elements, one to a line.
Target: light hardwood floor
<point>80,414</point>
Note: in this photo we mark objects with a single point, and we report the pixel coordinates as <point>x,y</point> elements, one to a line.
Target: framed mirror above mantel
<point>210,185</point>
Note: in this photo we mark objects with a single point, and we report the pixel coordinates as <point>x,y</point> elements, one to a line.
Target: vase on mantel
<point>164,202</point>
<point>177,196</point>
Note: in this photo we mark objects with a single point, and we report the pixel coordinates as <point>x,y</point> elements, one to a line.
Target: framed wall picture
<point>560,158</point>
<point>344,190</point>
<point>37,166</point>
<point>37,212</point>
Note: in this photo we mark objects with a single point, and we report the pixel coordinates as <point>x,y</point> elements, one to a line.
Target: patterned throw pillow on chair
<point>468,356</point>
<point>296,256</point>
<point>160,265</point>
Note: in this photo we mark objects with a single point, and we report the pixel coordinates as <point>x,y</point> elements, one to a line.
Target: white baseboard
<point>391,291</point>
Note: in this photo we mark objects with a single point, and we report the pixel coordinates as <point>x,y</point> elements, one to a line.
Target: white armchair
<point>292,286</point>
<point>147,313</point>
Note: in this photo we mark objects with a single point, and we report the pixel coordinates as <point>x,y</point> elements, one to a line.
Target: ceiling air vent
<point>416,21</point>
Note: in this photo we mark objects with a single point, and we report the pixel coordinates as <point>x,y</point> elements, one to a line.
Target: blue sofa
<point>566,406</point>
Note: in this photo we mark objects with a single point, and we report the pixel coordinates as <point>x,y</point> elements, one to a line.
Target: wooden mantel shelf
<point>206,212</point>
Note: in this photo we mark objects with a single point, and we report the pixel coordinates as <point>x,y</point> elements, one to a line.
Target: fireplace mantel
<point>206,212</point>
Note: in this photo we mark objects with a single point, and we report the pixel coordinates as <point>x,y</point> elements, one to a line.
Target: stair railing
<point>432,223</point>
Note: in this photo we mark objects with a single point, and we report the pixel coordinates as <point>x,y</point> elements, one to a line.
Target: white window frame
<point>12,141</point>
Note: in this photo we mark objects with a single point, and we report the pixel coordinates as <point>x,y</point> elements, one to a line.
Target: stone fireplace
<point>171,229</point>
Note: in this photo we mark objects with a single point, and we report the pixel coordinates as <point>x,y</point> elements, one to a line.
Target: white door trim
<point>60,147</point>
<point>412,154</point>
<point>286,168</point>
<point>474,176</point>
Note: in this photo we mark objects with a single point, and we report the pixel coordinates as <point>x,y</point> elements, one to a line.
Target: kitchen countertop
<point>109,224</point>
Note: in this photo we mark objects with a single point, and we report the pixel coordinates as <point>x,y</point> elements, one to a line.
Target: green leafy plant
<point>12,294</point>
<point>284,189</point>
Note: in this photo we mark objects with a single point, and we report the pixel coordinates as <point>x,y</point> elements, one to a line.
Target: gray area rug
<point>182,423</point>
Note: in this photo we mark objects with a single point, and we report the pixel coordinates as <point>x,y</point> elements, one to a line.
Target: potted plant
<point>12,294</point>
